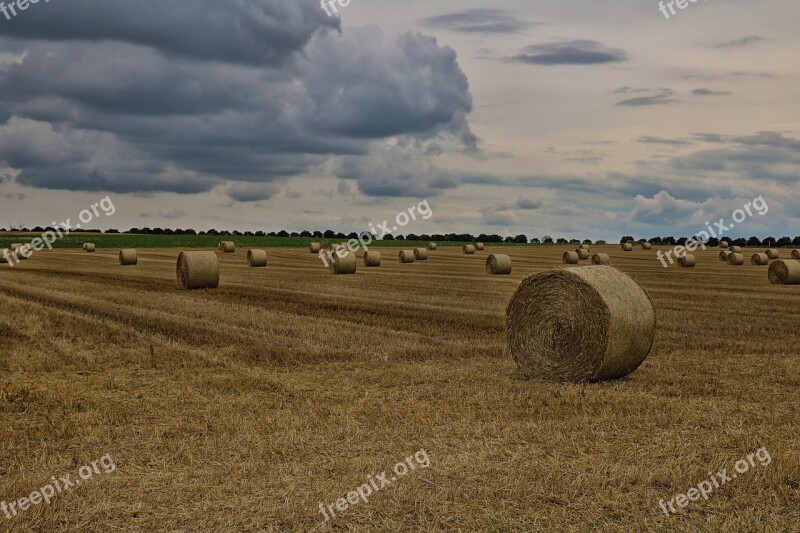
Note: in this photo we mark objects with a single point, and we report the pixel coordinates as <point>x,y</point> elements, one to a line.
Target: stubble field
<point>245,407</point>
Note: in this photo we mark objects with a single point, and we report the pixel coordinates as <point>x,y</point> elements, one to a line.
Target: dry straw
<point>498,265</point>
<point>580,324</point>
<point>257,258</point>
<point>432,246</point>
<point>314,247</point>
<point>469,249</point>
<point>17,250</point>
<point>421,254</point>
<point>5,254</point>
<point>198,270</point>
<point>773,254</point>
<point>372,258</point>
<point>795,254</point>
<point>723,255</point>
<point>228,247</point>
<point>687,261</point>
<point>647,246</point>
<point>583,254</point>
<point>407,256</point>
<point>723,245</point>
<point>601,259</point>
<point>759,259</point>
<point>15,246</point>
<point>128,257</point>
<point>735,259</point>
<point>89,247</point>
<point>627,247</point>
<point>784,272</point>
<point>736,249</point>
<point>479,246</point>
<point>570,258</point>
<point>343,264</point>
<point>584,246</point>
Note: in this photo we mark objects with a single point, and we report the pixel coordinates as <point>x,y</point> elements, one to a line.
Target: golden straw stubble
<point>128,257</point>
<point>580,324</point>
<point>197,270</point>
<point>784,272</point>
<point>498,265</point>
<point>257,258</point>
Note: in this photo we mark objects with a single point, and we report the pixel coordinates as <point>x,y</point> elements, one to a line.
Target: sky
<point>569,118</point>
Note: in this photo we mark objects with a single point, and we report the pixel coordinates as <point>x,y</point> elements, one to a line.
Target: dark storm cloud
<point>142,114</point>
<point>580,52</point>
<point>237,31</point>
<point>478,21</point>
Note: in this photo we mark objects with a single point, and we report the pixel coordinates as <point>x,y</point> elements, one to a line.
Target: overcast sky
<point>571,118</point>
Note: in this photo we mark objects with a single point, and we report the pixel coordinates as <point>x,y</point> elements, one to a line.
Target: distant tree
<point>796,241</point>
<point>669,240</point>
<point>713,242</point>
<point>294,234</point>
<point>388,237</point>
<point>521,239</point>
<point>783,242</point>
<point>329,234</point>
<point>399,238</point>
<point>260,233</point>
<point>587,241</point>
<point>600,242</point>
<point>317,234</point>
<point>547,239</point>
<point>768,241</point>
<point>249,233</point>
<point>437,237</point>
<point>574,241</point>
<point>682,241</point>
<point>754,241</point>
<point>536,240</point>
<point>283,234</point>
<point>655,240</point>
<point>412,237</point>
<point>112,231</point>
<point>272,234</point>
<point>740,242</point>
<point>561,240</point>
<point>352,235</point>
<point>626,238</point>
<point>305,233</point>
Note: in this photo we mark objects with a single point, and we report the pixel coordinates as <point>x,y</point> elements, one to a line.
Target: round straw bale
<point>687,261</point>
<point>570,258</point>
<point>723,244</point>
<point>89,247</point>
<point>647,246</point>
<point>479,246</point>
<point>579,324</point>
<point>23,251</point>
<point>128,257</point>
<point>735,259</point>
<point>257,258</point>
<point>795,254</point>
<point>407,256</point>
<point>627,247</point>
<point>344,263</point>
<point>773,254</point>
<point>584,246</point>
<point>784,272</point>
<point>469,249</point>
<point>4,256</point>
<point>601,259</point>
<point>326,245</point>
<point>421,254</point>
<point>759,259</point>
<point>583,254</point>
<point>197,270</point>
<point>372,258</point>
<point>15,246</point>
<point>723,255</point>
<point>432,246</point>
<point>314,247</point>
<point>736,249</point>
<point>498,265</point>
<point>228,247</point>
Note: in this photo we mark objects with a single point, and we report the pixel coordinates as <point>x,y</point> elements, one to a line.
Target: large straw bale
<point>197,270</point>
<point>498,265</point>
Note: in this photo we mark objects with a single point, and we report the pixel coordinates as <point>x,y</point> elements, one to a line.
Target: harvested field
<point>245,407</point>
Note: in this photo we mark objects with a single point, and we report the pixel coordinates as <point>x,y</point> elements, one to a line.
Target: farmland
<point>245,407</point>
